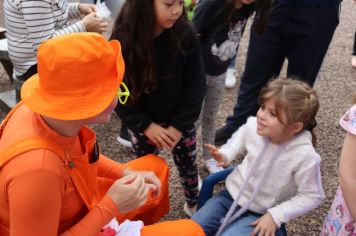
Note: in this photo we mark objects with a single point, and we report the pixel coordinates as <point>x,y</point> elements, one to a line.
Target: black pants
<point>31,71</point>
<point>184,156</point>
<point>300,34</point>
<point>354,51</point>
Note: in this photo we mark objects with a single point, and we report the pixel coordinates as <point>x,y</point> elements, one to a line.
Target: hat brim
<point>73,108</point>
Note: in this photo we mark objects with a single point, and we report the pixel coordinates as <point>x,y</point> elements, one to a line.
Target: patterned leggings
<point>184,156</point>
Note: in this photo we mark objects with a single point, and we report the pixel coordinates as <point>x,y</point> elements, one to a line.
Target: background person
<point>164,73</point>
<point>31,22</point>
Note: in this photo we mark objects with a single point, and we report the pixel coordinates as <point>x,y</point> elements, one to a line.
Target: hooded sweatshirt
<point>292,185</point>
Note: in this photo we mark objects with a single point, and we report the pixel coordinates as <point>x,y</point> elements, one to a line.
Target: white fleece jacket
<point>292,186</point>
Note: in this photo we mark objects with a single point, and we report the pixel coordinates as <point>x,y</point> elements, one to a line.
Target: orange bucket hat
<point>78,76</point>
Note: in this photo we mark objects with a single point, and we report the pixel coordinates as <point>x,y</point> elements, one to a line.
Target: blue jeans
<point>232,64</point>
<point>209,217</point>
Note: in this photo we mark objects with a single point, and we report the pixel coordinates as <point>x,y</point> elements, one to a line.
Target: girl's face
<point>167,13</point>
<point>239,3</point>
<point>268,124</point>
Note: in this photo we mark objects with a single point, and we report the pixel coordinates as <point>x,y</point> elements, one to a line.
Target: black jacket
<point>180,91</point>
<point>213,22</point>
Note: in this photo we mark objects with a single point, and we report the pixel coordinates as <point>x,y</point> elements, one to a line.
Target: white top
<point>292,186</point>
<point>30,22</point>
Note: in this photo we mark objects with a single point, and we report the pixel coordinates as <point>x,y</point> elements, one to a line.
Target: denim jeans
<point>210,216</point>
<point>232,64</point>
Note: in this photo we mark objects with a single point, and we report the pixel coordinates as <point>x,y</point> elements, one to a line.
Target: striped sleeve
<point>73,11</point>
<point>40,20</point>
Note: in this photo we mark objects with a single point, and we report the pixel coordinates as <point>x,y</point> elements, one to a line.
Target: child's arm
<point>237,142</point>
<point>309,191</point>
<point>347,173</point>
<point>220,159</point>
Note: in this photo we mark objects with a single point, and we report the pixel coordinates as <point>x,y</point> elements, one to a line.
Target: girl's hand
<point>159,136</point>
<point>264,226</point>
<point>174,133</point>
<point>220,159</point>
<point>86,9</point>
<point>92,23</point>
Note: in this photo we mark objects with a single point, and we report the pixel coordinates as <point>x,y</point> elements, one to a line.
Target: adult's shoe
<point>124,138</point>
<point>222,135</point>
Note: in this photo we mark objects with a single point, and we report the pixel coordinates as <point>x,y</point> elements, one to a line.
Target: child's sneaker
<point>211,166</point>
<point>190,211</point>
<point>353,61</point>
<point>124,138</point>
<point>230,80</point>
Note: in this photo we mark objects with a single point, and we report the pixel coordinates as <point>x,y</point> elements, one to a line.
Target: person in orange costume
<point>53,179</point>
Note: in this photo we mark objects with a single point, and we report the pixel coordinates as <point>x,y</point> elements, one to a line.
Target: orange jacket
<point>36,190</point>
<point>41,195</point>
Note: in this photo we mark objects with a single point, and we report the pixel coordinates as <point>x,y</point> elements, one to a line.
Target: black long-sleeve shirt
<point>180,88</point>
<point>218,36</point>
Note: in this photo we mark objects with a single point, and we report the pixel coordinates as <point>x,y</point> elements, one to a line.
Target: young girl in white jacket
<point>279,178</point>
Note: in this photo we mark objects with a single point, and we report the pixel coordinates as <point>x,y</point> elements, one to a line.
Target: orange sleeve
<point>109,168</point>
<point>95,220</point>
<point>35,202</point>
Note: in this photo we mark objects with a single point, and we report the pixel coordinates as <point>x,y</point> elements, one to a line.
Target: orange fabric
<point>173,228</point>
<point>38,196</point>
<point>81,66</point>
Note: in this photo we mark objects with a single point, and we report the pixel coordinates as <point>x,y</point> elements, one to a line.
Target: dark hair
<point>262,14</point>
<point>134,28</point>
<point>296,99</point>
<point>262,8</point>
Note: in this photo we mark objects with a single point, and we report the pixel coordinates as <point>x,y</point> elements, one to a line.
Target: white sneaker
<point>200,183</point>
<point>124,142</point>
<point>190,211</point>
<point>211,166</point>
<point>230,80</point>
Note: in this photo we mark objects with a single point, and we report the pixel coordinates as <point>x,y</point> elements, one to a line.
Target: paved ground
<point>335,86</point>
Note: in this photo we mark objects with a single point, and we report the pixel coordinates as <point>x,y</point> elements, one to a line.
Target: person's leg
<point>265,57</point>
<point>141,144</point>
<point>213,98</point>
<point>155,208</point>
<point>124,136</point>
<point>242,226</point>
<point>353,57</point>
<point>354,51</point>
<point>214,210</point>
<point>173,228</point>
<point>308,35</point>
<point>231,74</point>
<point>184,155</point>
